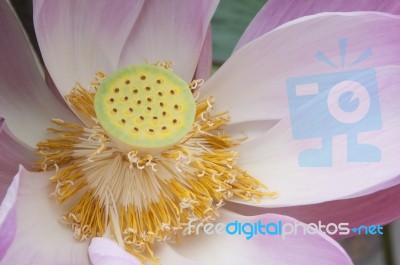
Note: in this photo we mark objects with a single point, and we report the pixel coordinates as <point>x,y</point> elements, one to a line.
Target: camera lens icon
<point>348,101</point>
<point>325,105</point>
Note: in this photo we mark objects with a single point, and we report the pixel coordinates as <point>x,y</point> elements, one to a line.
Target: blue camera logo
<point>325,105</point>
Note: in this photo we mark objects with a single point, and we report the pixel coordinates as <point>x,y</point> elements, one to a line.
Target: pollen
<point>150,159</point>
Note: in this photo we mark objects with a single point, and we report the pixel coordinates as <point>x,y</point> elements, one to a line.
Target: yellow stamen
<point>143,197</point>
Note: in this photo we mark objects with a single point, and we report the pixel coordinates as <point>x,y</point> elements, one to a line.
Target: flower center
<point>150,159</point>
<point>145,108</point>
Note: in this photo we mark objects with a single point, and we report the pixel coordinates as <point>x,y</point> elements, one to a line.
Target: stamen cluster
<point>138,198</point>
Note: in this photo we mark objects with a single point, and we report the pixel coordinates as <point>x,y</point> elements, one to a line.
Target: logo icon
<point>325,105</point>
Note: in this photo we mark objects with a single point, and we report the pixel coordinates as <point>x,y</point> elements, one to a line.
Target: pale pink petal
<point>13,152</point>
<point>378,208</point>
<point>249,129</point>
<point>252,83</point>
<point>8,217</point>
<point>170,31</point>
<point>277,12</point>
<point>203,69</point>
<point>346,170</point>
<point>25,100</point>
<point>260,249</point>
<point>169,256</point>
<point>78,38</point>
<point>53,88</point>
<point>41,238</point>
<point>103,251</point>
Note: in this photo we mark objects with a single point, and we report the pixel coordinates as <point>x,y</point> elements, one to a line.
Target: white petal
<point>234,249</point>
<point>25,100</point>
<point>346,170</point>
<point>79,38</point>
<point>170,31</point>
<point>13,152</point>
<point>278,12</point>
<point>40,237</point>
<point>8,217</point>
<point>103,251</point>
<point>251,84</point>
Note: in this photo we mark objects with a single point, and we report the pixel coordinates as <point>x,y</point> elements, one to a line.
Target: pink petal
<point>40,236</point>
<point>249,129</point>
<point>169,256</point>
<point>103,251</point>
<point>203,69</point>
<point>277,12</point>
<point>252,83</point>
<point>170,31</point>
<point>78,38</point>
<point>274,156</point>
<point>53,88</point>
<point>8,217</point>
<point>260,249</point>
<point>25,100</point>
<point>13,152</point>
<point>378,208</point>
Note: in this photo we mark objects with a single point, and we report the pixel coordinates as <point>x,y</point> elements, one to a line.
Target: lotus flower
<point>123,170</point>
